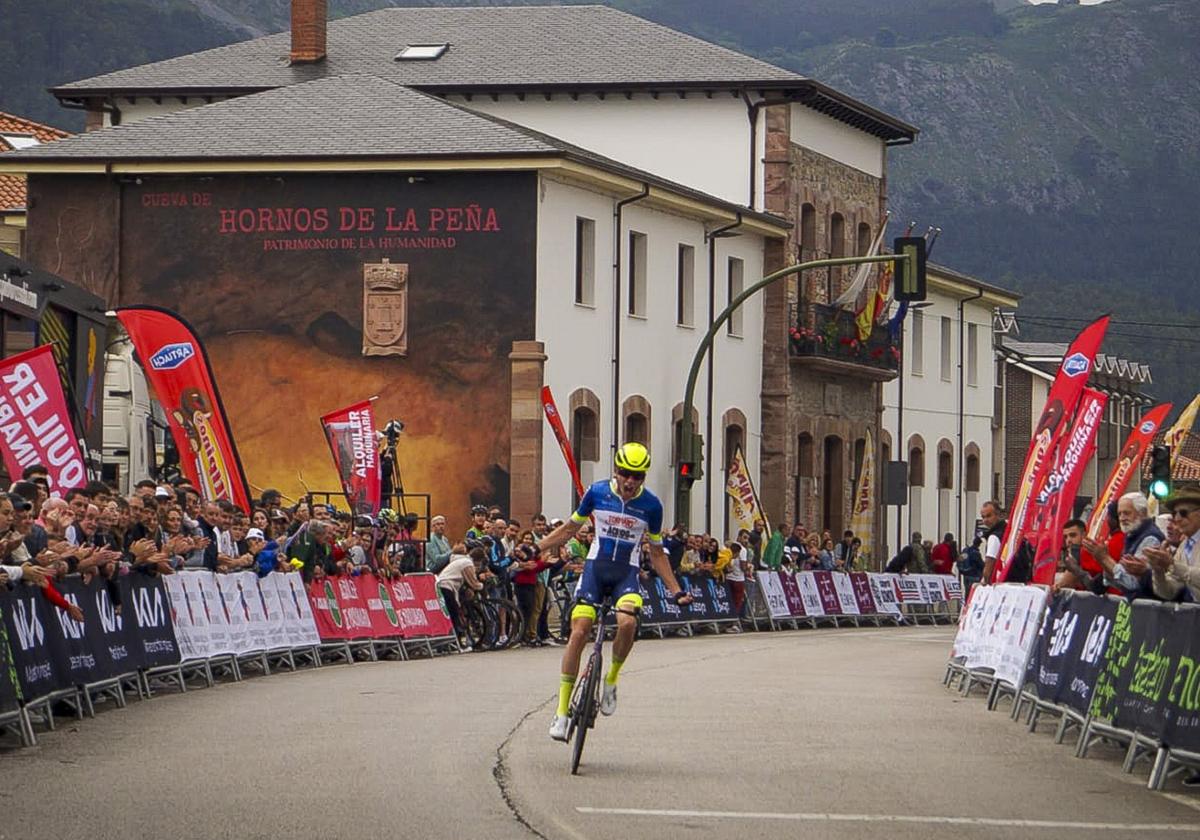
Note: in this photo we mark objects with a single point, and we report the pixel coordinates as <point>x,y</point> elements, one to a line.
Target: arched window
<point>585,425</point>
<point>916,461</point>
<point>808,231</point>
<point>971,479</point>
<point>636,413</point>
<point>804,456</point>
<point>733,422</point>
<point>837,248</point>
<point>945,470</point>
<point>864,239</point>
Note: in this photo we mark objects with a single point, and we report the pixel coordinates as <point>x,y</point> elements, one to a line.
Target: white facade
<point>694,140</point>
<point>655,350</point>
<point>838,141</point>
<point>950,472</point>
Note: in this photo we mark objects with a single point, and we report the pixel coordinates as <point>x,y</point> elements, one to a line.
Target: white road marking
<point>1189,801</point>
<point>896,818</point>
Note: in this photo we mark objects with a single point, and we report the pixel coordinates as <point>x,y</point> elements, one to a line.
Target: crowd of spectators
<point>163,528</point>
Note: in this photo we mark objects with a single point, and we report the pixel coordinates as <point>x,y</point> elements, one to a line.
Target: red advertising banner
<point>1060,405</point>
<point>560,434</point>
<point>420,606</point>
<point>178,370</point>
<point>1126,467</point>
<point>1056,499</point>
<point>35,426</point>
<point>350,432</point>
<point>366,607</point>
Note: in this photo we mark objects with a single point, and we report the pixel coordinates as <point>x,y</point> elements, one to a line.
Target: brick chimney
<point>308,31</point>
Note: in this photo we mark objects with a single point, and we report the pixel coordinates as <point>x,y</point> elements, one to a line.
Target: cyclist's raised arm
<point>559,535</point>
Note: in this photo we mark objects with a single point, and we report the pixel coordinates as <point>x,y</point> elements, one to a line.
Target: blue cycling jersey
<point>620,524</point>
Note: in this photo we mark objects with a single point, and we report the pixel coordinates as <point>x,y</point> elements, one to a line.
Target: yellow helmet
<point>632,457</point>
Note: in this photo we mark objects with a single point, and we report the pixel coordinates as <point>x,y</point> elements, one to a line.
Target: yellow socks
<point>565,684</point>
<point>614,671</point>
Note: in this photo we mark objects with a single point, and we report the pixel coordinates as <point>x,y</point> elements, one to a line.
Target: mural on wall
<point>314,291</point>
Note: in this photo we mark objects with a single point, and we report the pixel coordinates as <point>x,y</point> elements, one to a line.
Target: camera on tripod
<point>392,431</point>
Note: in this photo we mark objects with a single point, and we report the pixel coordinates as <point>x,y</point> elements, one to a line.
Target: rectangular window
<point>736,283</point>
<point>637,274</point>
<point>685,286</point>
<point>972,354</point>
<point>918,343</point>
<point>947,355</point>
<point>585,262</point>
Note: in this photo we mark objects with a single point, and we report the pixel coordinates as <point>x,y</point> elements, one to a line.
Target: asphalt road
<point>811,734</point>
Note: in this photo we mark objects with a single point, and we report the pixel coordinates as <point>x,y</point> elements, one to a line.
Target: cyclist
<point>623,510</point>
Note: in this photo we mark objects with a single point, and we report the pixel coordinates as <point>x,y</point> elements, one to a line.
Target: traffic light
<point>1160,472</point>
<point>910,274</point>
<point>691,460</point>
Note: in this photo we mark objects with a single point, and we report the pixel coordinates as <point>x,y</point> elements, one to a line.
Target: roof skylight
<point>422,52</point>
<point>18,141</point>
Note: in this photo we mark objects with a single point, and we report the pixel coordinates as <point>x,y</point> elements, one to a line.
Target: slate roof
<point>12,187</point>
<point>353,116</point>
<point>344,116</point>
<point>489,45</point>
<point>490,48</point>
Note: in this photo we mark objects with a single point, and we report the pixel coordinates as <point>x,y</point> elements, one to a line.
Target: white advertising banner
<point>810,595</point>
<point>237,611</point>
<point>773,592</point>
<point>883,587</point>
<point>933,588</point>
<point>204,586</point>
<point>187,615</point>
<point>845,593</point>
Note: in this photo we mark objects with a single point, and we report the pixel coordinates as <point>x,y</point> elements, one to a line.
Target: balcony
<point>826,338</point>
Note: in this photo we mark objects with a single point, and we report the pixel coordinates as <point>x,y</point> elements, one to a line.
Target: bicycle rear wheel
<point>475,624</point>
<point>583,714</point>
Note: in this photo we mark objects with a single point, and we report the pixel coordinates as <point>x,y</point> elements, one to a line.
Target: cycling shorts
<point>601,579</point>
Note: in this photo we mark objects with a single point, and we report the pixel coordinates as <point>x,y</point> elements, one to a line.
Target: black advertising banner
<point>701,608</point>
<point>1182,698</point>
<point>1096,616</point>
<point>1144,678</point>
<point>722,602</point>
<point>1113,678</point>
<point>27,621</point>
<point>148,615</point>
<point>1049,654</point>
<point>85,661</point>
<point>1071,648</point>
<point>10,692</point>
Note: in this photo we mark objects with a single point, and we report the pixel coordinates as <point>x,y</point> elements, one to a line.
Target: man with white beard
<point>1130,574</point>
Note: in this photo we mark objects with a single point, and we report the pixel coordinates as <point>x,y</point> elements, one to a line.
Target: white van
<point>133,439</point>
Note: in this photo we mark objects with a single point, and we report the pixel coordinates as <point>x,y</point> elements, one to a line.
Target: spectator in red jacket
<point>944,555</point>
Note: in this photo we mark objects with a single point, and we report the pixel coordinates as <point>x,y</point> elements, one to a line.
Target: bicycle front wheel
<point>584,712</point>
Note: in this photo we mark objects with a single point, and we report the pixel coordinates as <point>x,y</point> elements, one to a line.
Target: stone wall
<point>796,400</point>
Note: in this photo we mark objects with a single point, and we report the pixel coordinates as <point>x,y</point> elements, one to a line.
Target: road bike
<point>585,700</point>
<point>481,622</point>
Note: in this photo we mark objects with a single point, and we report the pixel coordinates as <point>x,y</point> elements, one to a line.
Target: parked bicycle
<point>492,623</point>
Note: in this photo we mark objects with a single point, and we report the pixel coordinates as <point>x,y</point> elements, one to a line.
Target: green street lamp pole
<point>690,451</point>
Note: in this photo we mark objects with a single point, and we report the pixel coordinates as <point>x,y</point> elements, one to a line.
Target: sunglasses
<point>1184,512</point>
<point>631,474</point>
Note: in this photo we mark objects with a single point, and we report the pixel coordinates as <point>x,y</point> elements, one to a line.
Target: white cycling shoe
<point>558,729</point>
<point>608,700</point>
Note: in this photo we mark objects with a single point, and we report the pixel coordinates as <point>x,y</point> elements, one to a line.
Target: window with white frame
<point>637,274</point>
<point>918,343</point>
<point>735,284</point>
<point>585,261</point>
<point>685,286</point>
<point>973,357</point>
<point>947,355</point>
